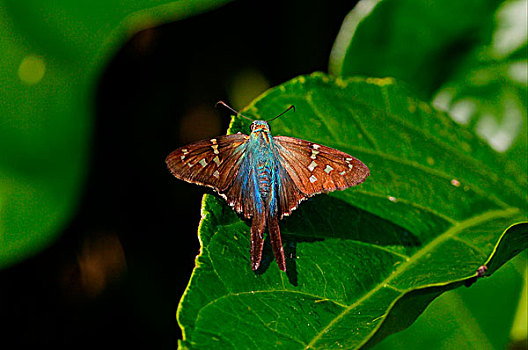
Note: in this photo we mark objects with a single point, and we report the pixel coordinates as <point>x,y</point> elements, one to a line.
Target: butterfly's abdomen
<point>263,164</point>
<point>264,179</point>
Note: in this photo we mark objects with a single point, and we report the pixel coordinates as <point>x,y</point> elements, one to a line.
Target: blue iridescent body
<point>264,178</point>
<point>262,165</point>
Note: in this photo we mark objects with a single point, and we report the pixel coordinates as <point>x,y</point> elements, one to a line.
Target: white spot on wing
<point>213,141</point>
<point>314,154</point>
<point>216,174</point>
<point>182,157</point>
<point>215,148</point>
<point>185,151</point>
<point>316,146</point>
<point>312,166</point>
<point>328,169</point>
<point>203,162</point>
<point>313,179</point>
<point>217,161</point>
<point>342,173</point>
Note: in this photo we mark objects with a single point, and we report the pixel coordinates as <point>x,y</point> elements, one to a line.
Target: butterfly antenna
<point>231,109</point>
<point>291,107</point>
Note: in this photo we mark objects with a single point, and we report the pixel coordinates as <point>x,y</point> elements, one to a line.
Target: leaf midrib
<point>402,267</point>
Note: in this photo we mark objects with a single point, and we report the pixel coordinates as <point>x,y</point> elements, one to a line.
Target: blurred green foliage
<point>53,53</point>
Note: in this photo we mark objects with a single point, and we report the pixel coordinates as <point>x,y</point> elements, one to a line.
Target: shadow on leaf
<point>325,217</point>
<point>328,217</point>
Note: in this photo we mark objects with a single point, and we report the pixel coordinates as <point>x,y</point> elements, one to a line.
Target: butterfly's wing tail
<point>257,240</point>
<point>276,242</point>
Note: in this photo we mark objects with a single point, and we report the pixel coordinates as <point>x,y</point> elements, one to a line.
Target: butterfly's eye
<point>252,126</point>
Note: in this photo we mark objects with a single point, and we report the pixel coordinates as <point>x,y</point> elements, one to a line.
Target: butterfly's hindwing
<point>289,195</point>
<point>214,162</point>
<point>315,168</point>
<point>240,195</point>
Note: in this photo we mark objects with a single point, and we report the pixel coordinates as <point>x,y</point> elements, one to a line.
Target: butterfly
<point>265,177</point>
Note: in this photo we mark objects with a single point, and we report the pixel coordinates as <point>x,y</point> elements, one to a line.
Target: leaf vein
<point>318,297</point>
<point>487,216</point>
<point>425,169</point>
<point>471,245</point>
<point>289,336</point>
<point>413,204</point>
<point>320,116</point>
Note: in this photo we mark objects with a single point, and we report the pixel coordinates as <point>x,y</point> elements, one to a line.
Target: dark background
<point>116,275</point>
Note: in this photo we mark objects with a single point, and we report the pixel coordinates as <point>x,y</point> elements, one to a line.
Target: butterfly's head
<point>260,130</point>
<point>260,126</point>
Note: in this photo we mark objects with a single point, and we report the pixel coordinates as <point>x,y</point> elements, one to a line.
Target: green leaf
<point>519,329</point>
<point>418,42</point>
<point>52,55</point>
<point>365,262</point>
<point>457,319</point>
<point>468,56</point>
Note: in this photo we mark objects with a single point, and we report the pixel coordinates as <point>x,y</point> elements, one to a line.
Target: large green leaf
<point>365,262</point>
<point>468,56</point>
<point>52,55</point>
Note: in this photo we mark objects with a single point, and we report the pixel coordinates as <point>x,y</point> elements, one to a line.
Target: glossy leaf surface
<point>365,262</point>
